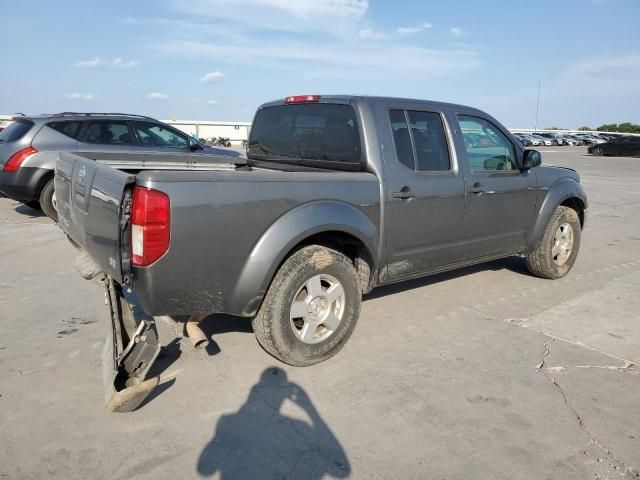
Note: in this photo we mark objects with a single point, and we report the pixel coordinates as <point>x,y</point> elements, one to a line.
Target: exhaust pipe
<point>198,338</point>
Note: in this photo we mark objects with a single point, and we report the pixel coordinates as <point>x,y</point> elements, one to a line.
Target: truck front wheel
<point>311,307</point>
<point>558,249</point>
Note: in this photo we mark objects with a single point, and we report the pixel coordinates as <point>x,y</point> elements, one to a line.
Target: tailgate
<point>89,199</point>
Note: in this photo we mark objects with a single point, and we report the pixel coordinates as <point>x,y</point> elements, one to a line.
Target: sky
<point>220,59</point>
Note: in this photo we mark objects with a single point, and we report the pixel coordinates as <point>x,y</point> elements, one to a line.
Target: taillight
<point>15,160</point>
<point>149,226</point>
<point>302,99</point>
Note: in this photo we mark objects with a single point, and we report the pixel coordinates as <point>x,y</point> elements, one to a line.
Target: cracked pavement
<point>482,373</point>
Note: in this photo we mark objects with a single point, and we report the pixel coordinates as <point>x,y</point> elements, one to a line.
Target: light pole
<point>537,106</point>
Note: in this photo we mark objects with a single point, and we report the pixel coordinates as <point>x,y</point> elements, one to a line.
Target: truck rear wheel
<point>48,201</point>
<point>311,307</point>
<point>559,247</point>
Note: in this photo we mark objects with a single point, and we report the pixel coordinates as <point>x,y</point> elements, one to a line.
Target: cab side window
<point>432,153</point>
<point>420,140</point>
<point>402,138</point>
<point>488,149</point>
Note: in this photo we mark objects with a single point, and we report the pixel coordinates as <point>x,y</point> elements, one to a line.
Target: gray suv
<point>30,145</point>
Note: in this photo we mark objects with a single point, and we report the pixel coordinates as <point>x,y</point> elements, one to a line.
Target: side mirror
<point>193,145</point>
<point>531,159</point>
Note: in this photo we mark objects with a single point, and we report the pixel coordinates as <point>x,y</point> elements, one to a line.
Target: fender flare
<point>284,234</point>
<point>558,193</point>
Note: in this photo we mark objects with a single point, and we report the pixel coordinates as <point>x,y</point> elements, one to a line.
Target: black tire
<point>541,262</point>
<point>33,204</point>
<point>272,325</point>
<point>598,152</point>
<point>46,201</point>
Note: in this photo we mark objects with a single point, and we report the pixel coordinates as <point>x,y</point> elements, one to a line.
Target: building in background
<point>236,132</point>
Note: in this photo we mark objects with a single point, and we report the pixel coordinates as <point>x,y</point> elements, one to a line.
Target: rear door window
<point>15,131</point>
<point>109,132</point>
<point>432,152</point>
<point>157,135</point>
<point>402,138</point>
<point>315,135</point>
<point>70,129</point>
<point>423,146</point>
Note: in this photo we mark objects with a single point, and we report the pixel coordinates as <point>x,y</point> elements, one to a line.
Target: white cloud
<point>94,62</point>
<point>337,17</point>
<point>367,58</point>
<point>212,102</point>
<point>605,65</point>
<point>212,77</point>
<point>86,97</point>
<point>370,34</point>
<point>409,30</point>
<point>306,9</point>
<point>99,62</point>
<point>457,31</point>
<point>121,63</point>
<point>157,96</point>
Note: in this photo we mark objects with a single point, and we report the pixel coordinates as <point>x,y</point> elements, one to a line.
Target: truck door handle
<point>477,188</point>
<point>405,193</point>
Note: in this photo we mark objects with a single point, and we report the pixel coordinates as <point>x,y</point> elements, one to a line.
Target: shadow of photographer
<point>259,441</point>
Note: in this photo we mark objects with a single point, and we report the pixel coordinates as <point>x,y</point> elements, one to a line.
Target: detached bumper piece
<point>129,350</point>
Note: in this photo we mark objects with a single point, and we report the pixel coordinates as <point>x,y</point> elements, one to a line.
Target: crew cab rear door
<point>425,190</point>
<point>91,199</point>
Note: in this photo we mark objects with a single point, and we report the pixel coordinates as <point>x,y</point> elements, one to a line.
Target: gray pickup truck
<point>337,195</point>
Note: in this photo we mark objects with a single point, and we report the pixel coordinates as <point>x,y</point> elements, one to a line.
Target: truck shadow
<point>216,324</point>
<point>260,441</point>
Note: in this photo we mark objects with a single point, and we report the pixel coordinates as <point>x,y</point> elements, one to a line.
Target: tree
<point>628,127</point>
<point>585,129</point>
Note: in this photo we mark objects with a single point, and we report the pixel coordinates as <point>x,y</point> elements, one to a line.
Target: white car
<point>543,140</point>
<point>534,141</point>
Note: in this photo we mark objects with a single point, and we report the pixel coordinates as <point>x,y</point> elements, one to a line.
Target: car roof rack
<point>99,114</point>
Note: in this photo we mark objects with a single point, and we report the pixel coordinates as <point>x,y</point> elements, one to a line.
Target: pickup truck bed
<point>218,213</point>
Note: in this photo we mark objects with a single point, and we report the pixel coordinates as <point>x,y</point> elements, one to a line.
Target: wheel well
<point>42,182</point>
<point>577,205</point>
<point>350,246</point>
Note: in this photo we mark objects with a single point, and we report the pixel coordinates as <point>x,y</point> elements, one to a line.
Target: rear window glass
<point>70,129</point>
<point>15,131</point>
<point>316,135</point>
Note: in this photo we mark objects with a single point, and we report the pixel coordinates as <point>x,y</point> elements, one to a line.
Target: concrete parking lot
<point>485,372</point>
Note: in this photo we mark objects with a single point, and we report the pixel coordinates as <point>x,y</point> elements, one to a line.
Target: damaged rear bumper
<point>130,348</point>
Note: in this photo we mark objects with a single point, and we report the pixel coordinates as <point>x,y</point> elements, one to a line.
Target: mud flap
<point>129,350</point>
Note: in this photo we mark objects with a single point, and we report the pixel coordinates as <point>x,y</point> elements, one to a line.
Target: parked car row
<point>553,138</point>
<point>215,141</point>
